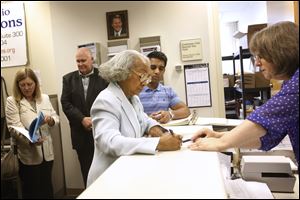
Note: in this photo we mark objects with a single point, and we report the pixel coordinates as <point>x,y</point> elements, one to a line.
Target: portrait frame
<point>122,15</point>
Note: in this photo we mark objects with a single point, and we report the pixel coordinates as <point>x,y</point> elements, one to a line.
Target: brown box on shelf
<point>253,29</point>
<point>260,81</point>
<point>249,80</point>
<point>250,84</point>
<point>230,79</point>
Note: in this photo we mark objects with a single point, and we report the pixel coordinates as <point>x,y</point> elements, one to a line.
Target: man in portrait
<point>117,25</point>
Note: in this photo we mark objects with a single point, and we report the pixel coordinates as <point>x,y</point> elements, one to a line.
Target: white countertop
<point>171,174</point>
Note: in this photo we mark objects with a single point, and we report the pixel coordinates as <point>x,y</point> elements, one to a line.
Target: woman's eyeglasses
<point>144,78</point>
<point>257,59</point>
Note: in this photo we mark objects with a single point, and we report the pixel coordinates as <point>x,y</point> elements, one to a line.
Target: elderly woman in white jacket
<point>120,126</point>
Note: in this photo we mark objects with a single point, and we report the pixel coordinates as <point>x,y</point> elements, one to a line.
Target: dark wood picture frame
<point>116,20</point>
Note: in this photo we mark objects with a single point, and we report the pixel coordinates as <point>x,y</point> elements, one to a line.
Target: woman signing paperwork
<point>276,53</point>
<point>119,122</point>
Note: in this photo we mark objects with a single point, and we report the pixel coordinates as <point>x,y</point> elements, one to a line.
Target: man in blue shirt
<point>161,102</point>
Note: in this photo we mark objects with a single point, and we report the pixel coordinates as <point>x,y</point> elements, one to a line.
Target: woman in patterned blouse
<point>276,53</point>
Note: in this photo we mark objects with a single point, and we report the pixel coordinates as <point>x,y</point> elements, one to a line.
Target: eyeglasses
<point>257,59</point>
<point>144,78</point>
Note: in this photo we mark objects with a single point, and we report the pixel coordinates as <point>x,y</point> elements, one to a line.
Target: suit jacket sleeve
<point>72,112</point>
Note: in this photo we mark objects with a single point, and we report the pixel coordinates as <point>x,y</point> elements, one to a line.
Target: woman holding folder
<point>35,159</point>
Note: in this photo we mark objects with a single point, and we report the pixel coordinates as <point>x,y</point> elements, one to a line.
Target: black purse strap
<point>3,132</point>
<point>3,119</point>
<point>4,84</point>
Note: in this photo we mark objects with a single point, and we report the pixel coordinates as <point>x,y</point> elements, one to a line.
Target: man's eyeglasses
<point>144,78</point>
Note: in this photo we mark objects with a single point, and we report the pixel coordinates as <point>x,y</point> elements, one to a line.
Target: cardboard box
<point>249,80</point>
<point>244,38</point>
<point>230,80</point>
<point>260,81</point>
<point>253,29</point>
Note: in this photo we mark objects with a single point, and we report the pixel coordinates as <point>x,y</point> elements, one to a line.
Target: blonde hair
<point>21,75</point>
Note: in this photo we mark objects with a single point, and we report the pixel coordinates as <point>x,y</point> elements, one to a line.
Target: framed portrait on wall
<point>117,24</point>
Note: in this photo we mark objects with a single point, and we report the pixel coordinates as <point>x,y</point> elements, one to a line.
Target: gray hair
<point>118,68</point>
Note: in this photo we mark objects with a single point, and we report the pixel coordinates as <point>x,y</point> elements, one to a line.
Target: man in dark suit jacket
<point>80,89</point>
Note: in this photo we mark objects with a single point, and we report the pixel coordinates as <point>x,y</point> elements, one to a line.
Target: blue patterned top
<point>280,116</point>
<point>161,98</point>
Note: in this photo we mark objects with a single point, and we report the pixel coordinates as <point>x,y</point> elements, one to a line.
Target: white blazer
<point>118,129</point>
<point>21,115</point>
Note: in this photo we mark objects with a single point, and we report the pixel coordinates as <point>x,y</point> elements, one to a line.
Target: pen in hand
<point>187,140</point>
<point>164,130</point>
<point>177,136</point>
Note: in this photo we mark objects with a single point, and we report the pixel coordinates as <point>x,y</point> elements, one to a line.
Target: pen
<point>187,140</point>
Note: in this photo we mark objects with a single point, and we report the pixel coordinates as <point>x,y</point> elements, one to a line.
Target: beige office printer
<point>275,171</point>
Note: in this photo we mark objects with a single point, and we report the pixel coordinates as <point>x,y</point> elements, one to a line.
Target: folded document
<point>190,120</point>
<point>32,134</point>
<point>178,122</point>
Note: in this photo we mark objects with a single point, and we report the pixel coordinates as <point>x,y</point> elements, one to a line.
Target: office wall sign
<point>13,34</point>
<point>191,49</point>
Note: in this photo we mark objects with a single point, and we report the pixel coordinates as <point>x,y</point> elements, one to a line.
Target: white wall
<point>245,13</point>
<point>285,8</point>
<point>56,28</point>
